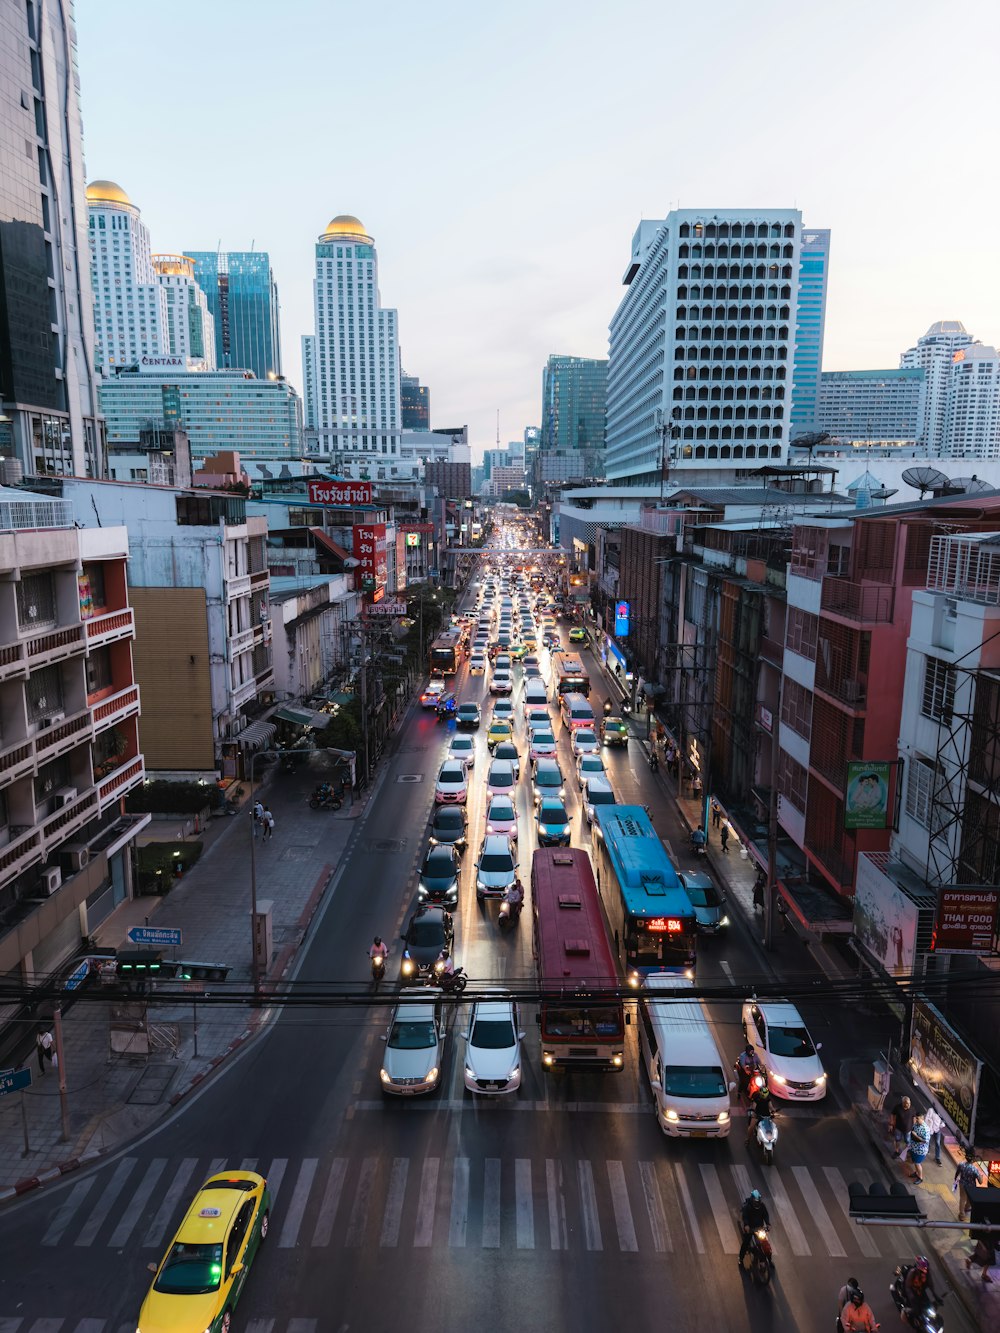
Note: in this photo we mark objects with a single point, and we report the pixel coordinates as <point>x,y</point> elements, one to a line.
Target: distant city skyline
<point>526,259</point>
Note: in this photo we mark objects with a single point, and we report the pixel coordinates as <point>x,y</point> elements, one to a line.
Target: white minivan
<point>535,693</point>
<point>686,1071</point>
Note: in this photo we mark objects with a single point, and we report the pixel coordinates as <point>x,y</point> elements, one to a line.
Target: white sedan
<point>584,741</point>
<point>587,766</point>
<point>501,780</point>
<point>493,1045</point>
<point>543,745</point>
<point>503,711</point>
<point>463,748</point>
<point>501,816</point>
<point>784,1050</point>
<point>477,664</point>
<point>452,785</point>
<point>501,683</point>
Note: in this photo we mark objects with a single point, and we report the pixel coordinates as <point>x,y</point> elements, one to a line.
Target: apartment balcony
<point>63,737</point>
<point>771,651</point>
<point>260,579</point>
<point>659,522</point>
<point>240,643</point>
<point>848,691</point>
<point>115,708</point>
<point>69,819</point>
<point>120,781</point>
<point>264,679</point>
<point>108,628</point>
<point>54,646</point>
<point>17,760</point>
<point>863,603</point>
<point>12,662</point>
<point>834,864</point>
<point>238,586</point>
<point>832,770</point>
<point>241,694</point>
<point>25,848</point>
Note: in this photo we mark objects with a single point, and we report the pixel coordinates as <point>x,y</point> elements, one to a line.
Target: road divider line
<point>524,1204</point>
<point>491,1205</point>
<point>137,1203</point>
<point>654,1209</point>
<point>331,1202</point>
<point>297,1205</point>
<point>157,1228</point>
<point>588,1202</point>
<point>558,1233</point>
<point>818,1213</point>
<point>459,1203</point>
<point>423,1235</point>
<point>627,1239</point>
<point>394,1203</point>
<point>720,1209</point>
<point>358,1224</point>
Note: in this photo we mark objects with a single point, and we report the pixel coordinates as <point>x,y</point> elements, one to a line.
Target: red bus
<point>574,959</point>
<point>448,652</point>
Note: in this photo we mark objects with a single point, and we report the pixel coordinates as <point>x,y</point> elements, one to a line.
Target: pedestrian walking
<point>759,885</point>
<point>672,761</point>
<point>969,1175</point>
<point>44,1043</point>
<point>935,1127</point>
<point>724,838</point>
<point>258,817</point>
<point>268,820</point>
<point>919,1144</point>
<point>716,813</point>
<point>696,784</point>
<point>781,907</point>
<point>984,1255</point>
<point>900,1124</point>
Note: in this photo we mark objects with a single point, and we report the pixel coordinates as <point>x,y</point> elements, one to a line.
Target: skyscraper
<point>415,403</point>
<point>702,343</point>
<point>309,380</point>
<point>242,295</point>
<point>972,420</point>
<point>574,401</point>
<point>190,328</point>
<point>48,382</point>
<point>814,274</point>
<point>130,304</point>
<point>356,383</point>
<point>933,354</point>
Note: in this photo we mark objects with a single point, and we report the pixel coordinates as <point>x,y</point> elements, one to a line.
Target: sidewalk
<point>114,1097</point>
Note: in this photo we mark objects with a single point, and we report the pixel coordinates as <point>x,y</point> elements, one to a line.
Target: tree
<point>520,498</point>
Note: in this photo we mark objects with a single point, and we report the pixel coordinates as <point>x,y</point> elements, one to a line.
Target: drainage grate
<point>152,1085</point>
<point>410,777</point>
<point>384,846</point>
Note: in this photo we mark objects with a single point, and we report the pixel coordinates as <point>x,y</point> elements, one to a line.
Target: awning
<point>257,736</point>
<point>300,717</point>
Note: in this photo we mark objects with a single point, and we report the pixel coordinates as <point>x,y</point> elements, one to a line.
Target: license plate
<point>698,1134</point>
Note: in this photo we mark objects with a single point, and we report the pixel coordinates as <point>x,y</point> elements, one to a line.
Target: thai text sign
<point>946,1066</point>
<point>369,551</point>
<point>867,801</point>
<point>966,919</point>
<point>340,492</point>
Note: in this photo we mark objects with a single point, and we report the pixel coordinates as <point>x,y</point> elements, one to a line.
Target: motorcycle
<point>767,1138</point>
<point>697,840</point>
<point>928,1318</point>
<point>451,983</point>
<point>759,1259</point>
<point>378,969</point>
<point>654,761</point>
<point>508,914</point>
<point>325,797</point>
<point>748,1085</point>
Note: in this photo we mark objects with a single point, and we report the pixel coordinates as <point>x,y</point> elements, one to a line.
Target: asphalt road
<point>563,1207</point>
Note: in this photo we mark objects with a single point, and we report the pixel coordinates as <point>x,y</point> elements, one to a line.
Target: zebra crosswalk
<point>663,1206</point>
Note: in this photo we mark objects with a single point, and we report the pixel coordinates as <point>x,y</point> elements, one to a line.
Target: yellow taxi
<point>499,731</point>
<point>201,1277</point>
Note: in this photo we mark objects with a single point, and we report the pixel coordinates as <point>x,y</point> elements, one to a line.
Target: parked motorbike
<point>508,914</point>
<point>927,1319</point>
<point>759,1259</point>
<point>326,797</point>
<point>451,983</point>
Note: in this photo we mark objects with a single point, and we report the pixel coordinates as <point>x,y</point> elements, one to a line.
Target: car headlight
<point>618,1060</point>
<point>384,1075</point>
<point>779,1078</point>
<point>723,1117</point>
<point>490,828</point>
<point>671,1115</point>
<point>432,1075</point>
<point>439,967</point>
<point>818,1081</point>
<point>408,967</point>
<point>547,1058</point>
<point>469,1073</point>
<point>724,921</point>
<point>513,1072</point>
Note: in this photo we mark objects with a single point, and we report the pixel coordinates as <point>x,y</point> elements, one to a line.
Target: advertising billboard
<point>621,619</point>
<point>966,919</point>
<point>867,802</point>
<point>946,1067</point>
<point>339,492</point>
<point>369,551</point>
<point>885,918</point>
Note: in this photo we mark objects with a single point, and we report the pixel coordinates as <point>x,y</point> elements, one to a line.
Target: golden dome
<point>347,228</point>
<point>107,192</point>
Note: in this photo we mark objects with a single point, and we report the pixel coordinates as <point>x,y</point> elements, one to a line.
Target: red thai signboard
<point>340,492</point>
<point>369,551</point>
<point>966,919</point>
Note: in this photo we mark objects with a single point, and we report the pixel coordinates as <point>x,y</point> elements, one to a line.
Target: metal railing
<point>868,603</point>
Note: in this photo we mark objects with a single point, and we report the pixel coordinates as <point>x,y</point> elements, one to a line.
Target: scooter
<point>451,983</point>
<point>378,969</point>
<point>928,1318</point>
<point>326,797</point>
<point>748,1085</point>
<point>759,1259</point>
<point>697,840</point>
<point>767,1138</point>
<point>508,914</point>
<point>654,761</point>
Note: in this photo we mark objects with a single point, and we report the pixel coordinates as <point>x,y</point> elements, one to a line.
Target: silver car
<point>414,1047</point>
<point>493,1045</point>
<point>496,866</point>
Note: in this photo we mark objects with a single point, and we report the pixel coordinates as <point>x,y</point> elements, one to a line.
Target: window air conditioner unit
<point>52,720</point>
<point>66,795</point>
<point>77,854</point>
<point>51,879</point>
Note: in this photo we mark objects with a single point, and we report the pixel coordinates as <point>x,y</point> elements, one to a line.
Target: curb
<point>54,1173</point>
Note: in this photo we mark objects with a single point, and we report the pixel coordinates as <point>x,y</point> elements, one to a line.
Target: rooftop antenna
<point>498,428</point>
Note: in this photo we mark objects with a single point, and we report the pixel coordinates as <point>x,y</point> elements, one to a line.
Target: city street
<point>561,1207</point>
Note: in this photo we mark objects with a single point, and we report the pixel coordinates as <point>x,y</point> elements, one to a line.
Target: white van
<point>686,1071</point>
<point>577,712</point>
<point>535,693</point>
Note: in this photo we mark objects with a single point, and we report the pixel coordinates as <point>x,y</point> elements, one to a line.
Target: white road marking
<point>84,1326</point>
<point>394,1203</point>
<point>558,1233</point>
<point>726,968</point>
<point>362,1201</point>
<point>654,1208</point>
<point>720,1209</point>
<point>524,1210</point>
<point>64,1213</point>
<point>303,1325</point>
<point>588,1203</point>
<point>627,1239</point>
<point>838,1185</point>
<point>796,1236</point>
<point>216,1165</point>
<point>104,1204</point>
<point>157,1228</point>
<point>260,1326</point>
<point>331,1202</point>
<point>275,1176</point>
<point>491,1205</point>
<point>137,1203</point>
<point>818,1213</point>
<point>423,1234</point>
<point>459,1203</point>
<point>248,1164</point>
<point>297,1205</point>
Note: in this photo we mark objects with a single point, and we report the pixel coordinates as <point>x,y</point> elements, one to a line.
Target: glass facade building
<point>243,299</point>
<point>48,387</point>
<point>814,274</point>
<point>415,403</point>
<point>574,401</point>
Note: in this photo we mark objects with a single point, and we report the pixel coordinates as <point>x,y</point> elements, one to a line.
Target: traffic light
<point>141,963</point>
<point>876,1203</point>
<point>985,1206</point>
<point>172,970</point>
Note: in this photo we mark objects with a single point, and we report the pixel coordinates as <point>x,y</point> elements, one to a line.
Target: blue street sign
<point>158,936</point>
<point>76,979</point>
<point>14,1080</point>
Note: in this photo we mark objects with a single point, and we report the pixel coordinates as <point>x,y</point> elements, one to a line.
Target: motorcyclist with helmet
<point>916,1289</point>
<point>753,1216</point>
<point>856,1315</point>
<point>761,1108</point>
<point>747,1065</point>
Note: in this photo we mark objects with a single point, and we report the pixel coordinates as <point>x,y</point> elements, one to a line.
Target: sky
<point>502,157</point>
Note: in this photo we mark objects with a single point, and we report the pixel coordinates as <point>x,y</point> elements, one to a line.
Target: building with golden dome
<point>351,362</point>
<point>130,304</point>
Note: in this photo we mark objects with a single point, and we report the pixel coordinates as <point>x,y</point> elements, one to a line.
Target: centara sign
<point>340,492</point>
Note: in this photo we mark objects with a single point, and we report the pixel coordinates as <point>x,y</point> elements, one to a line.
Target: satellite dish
<point>925,479</point>
<point>970,485</point>
<point>883,492</point>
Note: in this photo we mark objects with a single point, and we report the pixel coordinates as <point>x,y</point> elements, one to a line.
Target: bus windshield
<point>598,1021</point>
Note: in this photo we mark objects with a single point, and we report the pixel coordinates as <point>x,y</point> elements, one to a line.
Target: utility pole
<point>363,678</point>
<point>771,896</point>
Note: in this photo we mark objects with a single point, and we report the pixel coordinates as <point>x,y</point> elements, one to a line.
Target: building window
<point>793,780</point>
<point>797,707</point>
<point>44,693</point>
<point>920,786</point>
<point>802,632</point>
<point>938,700</point>
<point>99,675</point>
<point>36,601</point>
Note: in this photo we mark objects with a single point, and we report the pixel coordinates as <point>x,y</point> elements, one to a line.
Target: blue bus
<point>652,920</point>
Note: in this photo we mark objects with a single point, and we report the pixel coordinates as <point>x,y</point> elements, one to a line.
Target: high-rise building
<point>130,305</point>
<point>415,403</point>
<point>309,380</point>
<point>814,274</point>
<point>933,354</point>
<point>356,383</point>
<point>190,328</point>
<point>574,401</point>
<point>243,298</point>
<point>702,344</point>
<point>876,405</point>
<point>972,419</point>
<point>49,416</point>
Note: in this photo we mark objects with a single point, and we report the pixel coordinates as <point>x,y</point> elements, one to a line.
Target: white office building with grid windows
<point>702,345</point>
<point>130,305</point>
<point>352,366</point>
